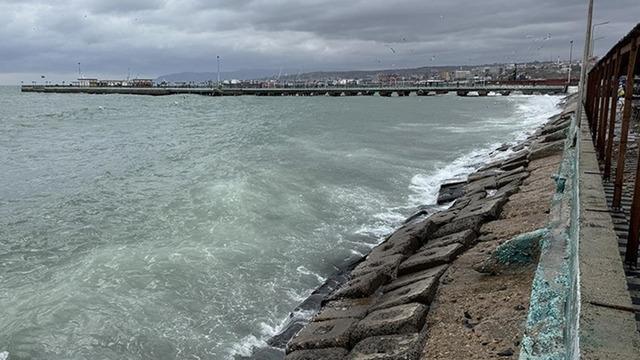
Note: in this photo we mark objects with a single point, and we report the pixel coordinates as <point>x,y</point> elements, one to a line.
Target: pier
<point>324,91</point>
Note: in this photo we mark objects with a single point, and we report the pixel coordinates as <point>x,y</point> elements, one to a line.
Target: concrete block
<point>450,191</point>
<point>434,272</point>
<point>387,265</point>
<point>555,136</point>
<point>429,258</point>
<point>361,286</point>
<point>472,216</point>
<point>507,190</point>
<point>487,209</point>
<point>517,170</point>
<point>517,156</point>
<point>421,291</point>
<point>405,240</point>
<point>443,217</point>
<point>323,334</point>
<point>402,319</point>
<point>388,347</point>
<point>345,308</point>
<point>465,238</point>
<point>539,151</point>
<point>552,128</point>
<point>492,165</point>
<point>479,175</point>
<point>518,177</point>
<point>514,165</point>
<point>467,199</point>
<point>397,245</point>
<point>318,354</point>
<point>459,224</point>
<point>480,185</point>
<point>520,147</point>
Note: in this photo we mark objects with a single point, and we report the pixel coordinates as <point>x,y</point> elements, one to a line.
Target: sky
<point>149,38</point>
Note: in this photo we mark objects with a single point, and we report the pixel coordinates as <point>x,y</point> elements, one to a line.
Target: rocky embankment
<point>381,310</point>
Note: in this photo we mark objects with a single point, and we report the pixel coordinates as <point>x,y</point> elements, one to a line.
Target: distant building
<point>87,82</point>
<point>444,75</point>
<point>462,75</point>
<point>141,83</point>
<point>111,83</point>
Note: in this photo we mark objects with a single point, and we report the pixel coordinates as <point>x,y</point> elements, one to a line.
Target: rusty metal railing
<point>601,107</point>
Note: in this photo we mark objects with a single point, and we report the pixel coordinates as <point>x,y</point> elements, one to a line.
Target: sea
<point>189,227</point>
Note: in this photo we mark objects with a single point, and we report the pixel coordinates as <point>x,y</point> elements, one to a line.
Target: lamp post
<point>570,63</point>
<point>593,29</point>
<point>218,74</point>
<point>585,60</point>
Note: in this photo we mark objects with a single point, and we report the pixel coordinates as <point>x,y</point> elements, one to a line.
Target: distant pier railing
<point>603,97</point>
<point>319,91</point>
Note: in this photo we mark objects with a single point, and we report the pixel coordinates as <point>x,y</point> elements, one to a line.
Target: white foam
<point>245,346</point>
<point>304,271</point>
<point>424,187</point>
<point>249,343</point>
<point>4,355</point>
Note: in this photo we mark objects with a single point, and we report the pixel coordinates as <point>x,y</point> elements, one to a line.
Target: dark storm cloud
<point>158,36</point>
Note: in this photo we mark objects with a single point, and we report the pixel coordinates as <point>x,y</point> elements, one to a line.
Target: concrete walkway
<point>607,328</point>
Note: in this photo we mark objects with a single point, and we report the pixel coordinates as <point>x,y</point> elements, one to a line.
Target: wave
<point>424,187</point>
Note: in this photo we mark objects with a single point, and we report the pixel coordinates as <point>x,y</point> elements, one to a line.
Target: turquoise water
<point>189,227</point>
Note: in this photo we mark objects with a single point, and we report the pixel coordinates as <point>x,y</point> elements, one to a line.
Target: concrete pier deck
<point>326,91</point>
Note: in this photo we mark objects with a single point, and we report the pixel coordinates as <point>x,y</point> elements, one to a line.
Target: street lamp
<point>593,29</point>
<point>570,63</point>
<point>218,58</point>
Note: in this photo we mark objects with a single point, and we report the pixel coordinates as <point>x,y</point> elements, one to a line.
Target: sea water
<point>189,227</point>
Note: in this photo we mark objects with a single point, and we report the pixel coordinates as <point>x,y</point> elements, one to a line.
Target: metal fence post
<point>612,117</point>
<point>604,111</point>
<point>596,104</point>
<point>624,131</point>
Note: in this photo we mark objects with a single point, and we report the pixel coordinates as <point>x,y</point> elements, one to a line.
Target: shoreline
<point>324,293</point>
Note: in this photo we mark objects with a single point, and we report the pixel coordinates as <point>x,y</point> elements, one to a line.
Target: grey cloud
<point>123,6</point>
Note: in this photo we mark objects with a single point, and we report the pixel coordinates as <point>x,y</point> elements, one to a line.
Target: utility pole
<point>585,60</point>
<point>570,63</point>
<point>218,57</point>
<point>79,72</point>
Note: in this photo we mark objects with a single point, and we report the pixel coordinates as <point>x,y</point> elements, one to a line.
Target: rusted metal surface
<point>626,117</point>
<point>604,109</point>
<point>612,118</point>
<point>596,102</point>
<point>601,106</point>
